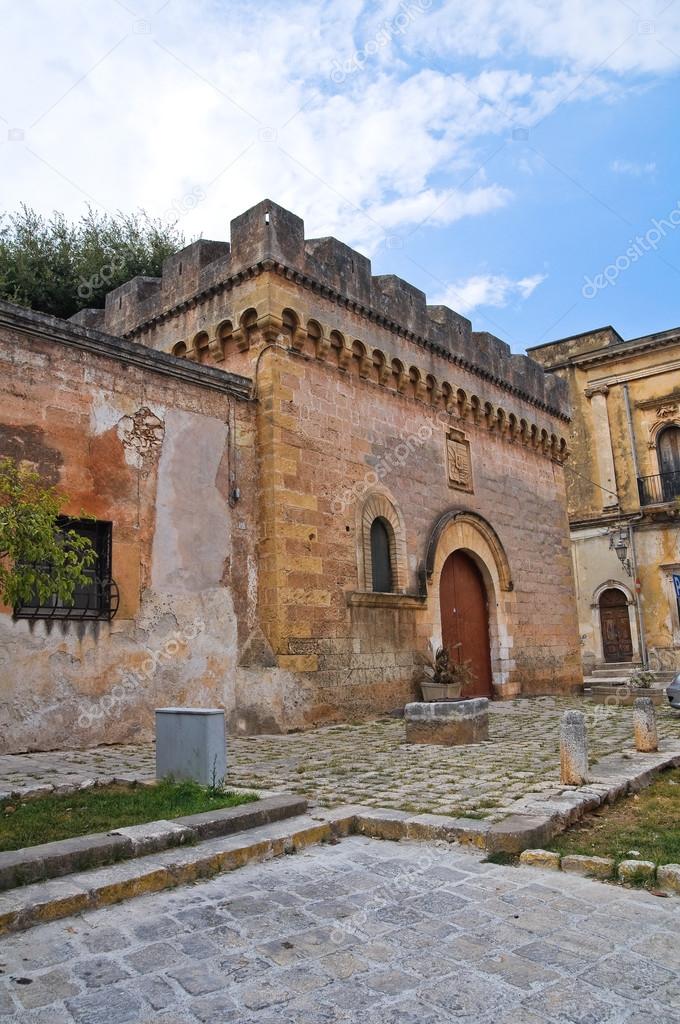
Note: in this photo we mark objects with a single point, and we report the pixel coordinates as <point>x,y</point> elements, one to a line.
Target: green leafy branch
<point>39,558</point>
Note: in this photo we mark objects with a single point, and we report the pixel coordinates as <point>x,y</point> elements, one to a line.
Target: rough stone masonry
<point>247,428</point>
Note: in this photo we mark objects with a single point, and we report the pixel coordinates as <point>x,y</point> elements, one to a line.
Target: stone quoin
<point>303,477</point>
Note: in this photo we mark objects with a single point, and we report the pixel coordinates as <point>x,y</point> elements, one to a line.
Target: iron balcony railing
<point>657,489</point>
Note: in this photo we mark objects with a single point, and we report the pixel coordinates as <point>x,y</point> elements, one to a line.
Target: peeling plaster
<point>192,538</point>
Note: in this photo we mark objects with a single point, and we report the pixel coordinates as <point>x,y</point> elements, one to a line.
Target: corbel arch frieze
<point>308,336</point>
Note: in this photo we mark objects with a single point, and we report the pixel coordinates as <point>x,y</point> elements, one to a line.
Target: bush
<point>59,267</point>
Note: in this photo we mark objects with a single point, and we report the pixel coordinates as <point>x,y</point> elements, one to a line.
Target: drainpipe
<point>631,531</point>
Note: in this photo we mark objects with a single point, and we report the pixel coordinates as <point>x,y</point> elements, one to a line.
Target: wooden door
<point>669,462</point>
<point>617,644</point>
<point>465,620</point>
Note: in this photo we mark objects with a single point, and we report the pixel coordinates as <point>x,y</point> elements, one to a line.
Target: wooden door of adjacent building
<point>465,620</point>
<point>617,643</point>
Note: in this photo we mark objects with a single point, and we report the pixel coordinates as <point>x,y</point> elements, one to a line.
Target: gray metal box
<point>191,744</point>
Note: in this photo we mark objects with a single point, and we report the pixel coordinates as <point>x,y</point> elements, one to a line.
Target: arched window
<point>668,448</point>
<point>381,545</point>
<point>381,559</point>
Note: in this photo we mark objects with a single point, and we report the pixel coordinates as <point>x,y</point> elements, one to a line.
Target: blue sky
<point>501,156</point>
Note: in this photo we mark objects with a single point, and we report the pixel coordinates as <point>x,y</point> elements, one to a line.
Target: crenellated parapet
<point>268,239</point>
<point>312,338</point>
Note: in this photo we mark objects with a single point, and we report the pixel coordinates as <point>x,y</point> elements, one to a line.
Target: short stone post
<point>573,749</point>
<point>644,724</point>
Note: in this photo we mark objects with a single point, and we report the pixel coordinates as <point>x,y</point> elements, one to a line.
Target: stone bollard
<point>573,749</point>
<point>644,724</point>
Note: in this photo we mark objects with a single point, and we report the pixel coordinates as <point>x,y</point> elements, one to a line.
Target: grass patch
<point>506,859</point>
<point>104,808</point>
<point>648,823</point>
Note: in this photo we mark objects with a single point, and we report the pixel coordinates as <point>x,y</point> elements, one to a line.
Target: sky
<point>516,160</point>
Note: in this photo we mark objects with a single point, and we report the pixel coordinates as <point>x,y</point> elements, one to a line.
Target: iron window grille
<point>98,598</point>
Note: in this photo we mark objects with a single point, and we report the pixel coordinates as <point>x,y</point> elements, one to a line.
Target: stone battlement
<point>270,238</point>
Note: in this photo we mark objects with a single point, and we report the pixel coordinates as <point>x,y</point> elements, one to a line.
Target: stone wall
<point>241,422</point>
<point>151,448</point>
<point>624,394</point>
<point>333,441</point>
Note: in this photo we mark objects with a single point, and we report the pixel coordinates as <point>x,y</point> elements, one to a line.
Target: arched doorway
<point>465,620</point>
<point>617,643</point>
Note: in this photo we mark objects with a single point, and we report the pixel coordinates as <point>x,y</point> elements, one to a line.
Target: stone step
<point>29,905</point>
<point>532,821</point>
<point>605,680</point>
<point>607,673</point>
<point>621,696</point>
<point>66,856</point>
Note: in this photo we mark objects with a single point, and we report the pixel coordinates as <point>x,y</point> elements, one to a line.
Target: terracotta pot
<point>440,691</point>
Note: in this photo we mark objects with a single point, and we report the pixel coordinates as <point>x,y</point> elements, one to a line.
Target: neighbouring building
<point>623,486</point>
<point>302,476</point>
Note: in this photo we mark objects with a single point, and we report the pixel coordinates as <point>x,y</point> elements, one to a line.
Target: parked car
<point>673,692</point>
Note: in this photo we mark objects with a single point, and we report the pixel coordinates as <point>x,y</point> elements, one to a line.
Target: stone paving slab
<point>370,764</point>
<point>362,930</point>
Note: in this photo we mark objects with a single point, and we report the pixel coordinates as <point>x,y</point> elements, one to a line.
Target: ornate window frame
<point>379,504</point>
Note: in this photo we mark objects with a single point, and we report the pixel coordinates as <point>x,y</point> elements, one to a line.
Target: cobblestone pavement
<point>391,933</point>
<point>370,763</point>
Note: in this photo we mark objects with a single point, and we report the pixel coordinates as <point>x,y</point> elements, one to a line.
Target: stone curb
<point>66,856</point>
<point>667,876</point>
<point>48,901</point>
<point>534,821</point>
<point>41,789</point>
<point>531,823</point>
<point>36,903</point>
<point>30,905</point>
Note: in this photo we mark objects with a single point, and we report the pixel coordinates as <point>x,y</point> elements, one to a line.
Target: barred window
<point>97,598</point>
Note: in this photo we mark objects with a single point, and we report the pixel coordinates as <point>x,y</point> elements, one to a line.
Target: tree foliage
<point>59,267</point>
<point>38,557</point>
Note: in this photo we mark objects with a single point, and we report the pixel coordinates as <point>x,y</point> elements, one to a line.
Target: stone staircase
<point>605,680</point>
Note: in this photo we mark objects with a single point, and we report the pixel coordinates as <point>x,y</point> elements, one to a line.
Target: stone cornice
<point>656,403</point>
<point>656,370</point>
<point>370,599</point>
<point>366,312</point>
<point>624,350</point>
<point>40,325</point>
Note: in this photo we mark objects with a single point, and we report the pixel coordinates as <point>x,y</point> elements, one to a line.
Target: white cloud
<point>609,36</point>
<point>495,290</point>
<point>632,168</point>
<point>137,109</point>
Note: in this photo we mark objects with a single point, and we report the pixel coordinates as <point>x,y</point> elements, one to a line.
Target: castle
<point>302,479</point>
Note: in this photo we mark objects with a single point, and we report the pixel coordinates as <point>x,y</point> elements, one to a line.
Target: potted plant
<point>639,679</point>
<point>441,680</point>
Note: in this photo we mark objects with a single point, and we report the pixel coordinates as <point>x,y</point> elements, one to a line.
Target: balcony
<point>660,488</point>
